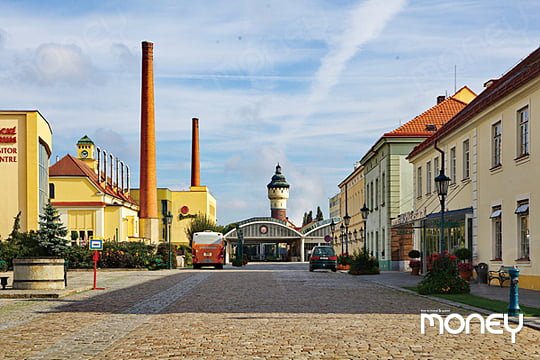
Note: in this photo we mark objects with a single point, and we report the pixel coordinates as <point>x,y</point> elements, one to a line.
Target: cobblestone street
<point>261,311</point>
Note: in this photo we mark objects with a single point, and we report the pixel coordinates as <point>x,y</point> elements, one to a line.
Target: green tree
<point>51,233</point>
<point>201,223</point>
<point>319,216</point>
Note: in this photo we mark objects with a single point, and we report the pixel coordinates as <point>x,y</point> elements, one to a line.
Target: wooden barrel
<point>43,273</point>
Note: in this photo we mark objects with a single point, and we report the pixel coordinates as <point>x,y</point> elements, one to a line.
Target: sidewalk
<point>399,279</point>
<point>77,281</point>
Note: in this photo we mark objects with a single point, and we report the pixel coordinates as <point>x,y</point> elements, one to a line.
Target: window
<point>429,177</point>
<point>376,193</point>
<point>523,131</point>
<point>51,191</point>
<point>453,165</point>
<point>466,160</point>
<point>522,213</point>
<point>496,138</point>
<point>371,196</point>
<point>43,177</point>
<point>436,165</point>
<point>496,225</point>
<point>419,182</point>
<point>383,189</point>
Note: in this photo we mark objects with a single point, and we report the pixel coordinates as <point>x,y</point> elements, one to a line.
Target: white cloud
<point>58,64</point>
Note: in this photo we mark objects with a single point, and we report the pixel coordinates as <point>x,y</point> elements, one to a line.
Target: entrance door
<point>269,252</point>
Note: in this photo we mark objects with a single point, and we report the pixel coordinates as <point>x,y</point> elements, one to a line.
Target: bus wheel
<point>220,266</point>
<point>196,266</point>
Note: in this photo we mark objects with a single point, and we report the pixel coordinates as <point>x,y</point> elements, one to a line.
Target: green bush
<point>463,254</point>
<point>128,255</point>
<point>79,257</point>
<point>414,254</point>
<point>364,264</point>
<point>442,276</point>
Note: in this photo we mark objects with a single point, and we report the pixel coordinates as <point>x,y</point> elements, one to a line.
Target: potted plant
<point>344,262</point>
<point>415,265</point>
<point>465,270</point>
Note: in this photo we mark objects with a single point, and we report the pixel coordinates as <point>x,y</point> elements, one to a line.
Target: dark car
<point>323,257</point>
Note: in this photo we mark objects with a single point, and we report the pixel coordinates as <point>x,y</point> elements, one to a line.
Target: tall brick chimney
<point>148,188</point>
<point>195,160</point>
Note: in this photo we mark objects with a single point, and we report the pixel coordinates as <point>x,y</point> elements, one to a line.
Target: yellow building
<point>91,194</point>
<point>351,201</point>
<point>494,170</point>
<point>183,206</point>
<point>25,149</point>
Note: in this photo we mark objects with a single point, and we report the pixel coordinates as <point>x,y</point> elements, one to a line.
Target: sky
<point>308,84</point>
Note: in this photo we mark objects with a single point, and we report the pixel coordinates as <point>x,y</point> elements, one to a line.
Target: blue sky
<point>309,84</point>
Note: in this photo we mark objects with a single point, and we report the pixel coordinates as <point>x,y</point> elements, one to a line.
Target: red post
<point>96,258</point>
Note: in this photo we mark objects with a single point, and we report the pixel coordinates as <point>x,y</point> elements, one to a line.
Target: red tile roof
<point>522,73</point>
<point>437,116</point>
<point>71,166</point>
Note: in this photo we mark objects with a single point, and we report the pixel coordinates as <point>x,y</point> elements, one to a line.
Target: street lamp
<point>342,228</point>
<point>355,235</point>
<point>365,213</point>
<point>168,221</point>
<point>441,182</point>
<point>347,221</point>
<point>332,229</point>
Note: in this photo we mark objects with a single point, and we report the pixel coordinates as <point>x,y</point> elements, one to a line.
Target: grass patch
<point>496,306</point>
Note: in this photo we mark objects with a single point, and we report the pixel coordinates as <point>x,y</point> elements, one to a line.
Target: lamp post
<point>342,229</point>
<point>441,182</point>
<point>168,221</point>
<point>355,234</point>
<point>365,212</point>
<point>332,229</point>
<point>347,221</point>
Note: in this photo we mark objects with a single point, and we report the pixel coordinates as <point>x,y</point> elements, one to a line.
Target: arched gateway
<point>269,239</point>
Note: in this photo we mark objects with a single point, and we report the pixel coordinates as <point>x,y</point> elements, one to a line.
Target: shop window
<point>496,224</point>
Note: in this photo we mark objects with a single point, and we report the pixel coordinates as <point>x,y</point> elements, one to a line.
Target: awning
<point>522,209</point>
<point>496,213</point>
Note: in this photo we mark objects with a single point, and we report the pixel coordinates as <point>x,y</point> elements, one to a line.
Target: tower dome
<point>278,193</point>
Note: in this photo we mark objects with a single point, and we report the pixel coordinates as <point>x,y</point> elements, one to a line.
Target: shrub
<point>364,264</point>
<point>442,276</point>
<point>79,257</point>
<point>463,254</point>
<point>414,254</point>
<point>345,259</point>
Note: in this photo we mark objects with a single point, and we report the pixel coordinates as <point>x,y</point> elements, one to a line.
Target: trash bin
<point>482,272</point>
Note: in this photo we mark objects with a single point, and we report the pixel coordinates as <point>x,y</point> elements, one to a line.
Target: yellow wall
<point>515,180</point>
<point>19,167</point>
<point>197,200</point>
<point>355,194</point>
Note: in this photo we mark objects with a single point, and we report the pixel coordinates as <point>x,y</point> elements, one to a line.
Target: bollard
<point>513,306</point>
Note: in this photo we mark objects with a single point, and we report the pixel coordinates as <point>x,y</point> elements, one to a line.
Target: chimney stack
<point>148,187</point>
<point>195,160</point>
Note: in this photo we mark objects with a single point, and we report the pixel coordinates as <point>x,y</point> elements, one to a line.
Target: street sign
<point>327,238</point>
<point>96,244</point>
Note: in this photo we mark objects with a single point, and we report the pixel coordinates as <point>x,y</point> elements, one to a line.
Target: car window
<point>323,251</point>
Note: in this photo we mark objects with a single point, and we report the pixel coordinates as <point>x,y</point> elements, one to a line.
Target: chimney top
<point>490,82</point>
<point>440,99</point>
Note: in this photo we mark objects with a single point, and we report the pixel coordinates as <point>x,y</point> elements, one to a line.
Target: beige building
<point>491,159</point>
<point>351,200</point>
<point>25,149</point>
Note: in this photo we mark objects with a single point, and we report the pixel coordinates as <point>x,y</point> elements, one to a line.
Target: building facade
<point>92,195</point>
<point>350,239</point>
<point>389,180</point>
<point>492,141</point>
<point>25,149</point>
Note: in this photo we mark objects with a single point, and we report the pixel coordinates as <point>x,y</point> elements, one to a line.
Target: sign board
<point>327,238</point>
<point>96,243</point>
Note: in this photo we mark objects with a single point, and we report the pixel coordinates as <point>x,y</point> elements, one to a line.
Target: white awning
<point>496,213</point>
<point>523,208</point>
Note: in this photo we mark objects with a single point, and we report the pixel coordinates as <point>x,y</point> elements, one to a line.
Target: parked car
<point>323,257</point>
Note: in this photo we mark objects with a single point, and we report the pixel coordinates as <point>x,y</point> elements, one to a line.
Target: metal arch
<point>263,221</point>
<point>321,224</point>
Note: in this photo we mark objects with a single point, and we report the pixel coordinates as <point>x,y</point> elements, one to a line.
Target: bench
<point>3,281</point>
<point>501,275</point>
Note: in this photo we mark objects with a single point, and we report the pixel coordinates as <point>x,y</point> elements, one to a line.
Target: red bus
<point>208,249</point>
